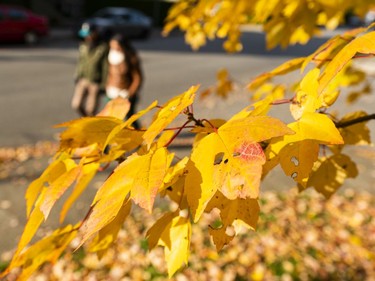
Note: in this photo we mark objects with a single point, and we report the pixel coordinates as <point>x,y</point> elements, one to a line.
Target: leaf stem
<point>212,125</point>
<point>282,101</point>
<point>177,133</point>
<point>355,121</point>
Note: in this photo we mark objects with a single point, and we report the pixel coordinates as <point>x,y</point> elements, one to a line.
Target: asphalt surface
<point>36,86</point>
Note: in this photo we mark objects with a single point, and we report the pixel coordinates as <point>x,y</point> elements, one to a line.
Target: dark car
<point>18,24</point>
<point>129,22</point>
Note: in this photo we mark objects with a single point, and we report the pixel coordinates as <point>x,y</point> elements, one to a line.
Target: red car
<point>18,24</point>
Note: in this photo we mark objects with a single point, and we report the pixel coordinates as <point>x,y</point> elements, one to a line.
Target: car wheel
<point>31,38</point>
<point>145,34</point>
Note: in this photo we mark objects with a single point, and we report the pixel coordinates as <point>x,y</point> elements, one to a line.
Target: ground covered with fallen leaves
<point>299,237</point>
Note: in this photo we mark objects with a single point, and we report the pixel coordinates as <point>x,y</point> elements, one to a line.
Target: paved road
<point>36,86</point>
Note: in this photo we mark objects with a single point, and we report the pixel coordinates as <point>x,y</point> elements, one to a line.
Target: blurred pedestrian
<point>90,73</point>
<point>125,75</point>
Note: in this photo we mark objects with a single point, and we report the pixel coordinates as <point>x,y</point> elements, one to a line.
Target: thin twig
<point>355,121</point>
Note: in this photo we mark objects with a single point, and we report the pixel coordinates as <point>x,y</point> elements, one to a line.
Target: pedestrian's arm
<point>79,70</point>
<point>137,76</point>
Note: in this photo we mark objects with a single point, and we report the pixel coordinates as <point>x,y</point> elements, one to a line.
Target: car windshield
<point>15,14</point>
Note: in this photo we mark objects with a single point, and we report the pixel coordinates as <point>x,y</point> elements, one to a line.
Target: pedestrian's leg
<point>79,93</point>
<point>133,103</point>
<point>92,99</point>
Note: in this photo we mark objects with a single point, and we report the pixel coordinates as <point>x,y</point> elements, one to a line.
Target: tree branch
<point>355,121</point>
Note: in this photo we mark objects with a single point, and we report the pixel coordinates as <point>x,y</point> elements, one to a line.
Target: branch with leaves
<point>228,159</point>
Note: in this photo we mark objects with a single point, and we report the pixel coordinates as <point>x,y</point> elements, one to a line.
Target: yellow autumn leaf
<point>314,126</point>
<point>149,177</point>
<point>34,220</point>
<point>84,178</point>
<point>57,189</point>
<point>363,44</point>
<point>49,249</point>
<point>297,159</point>
<point>221,236</point>
<point>141,175</point>
<point>240,178</point>
<point>356,134</point>
<point>174,173</point>
<point>107,235</point>
<point>199,186</point>
<point>312,129</point>
<point>173,232</point>
<point>117,108</point>
<point>111,196</point>
<point>306,99</point>
<point>284,68</point>
<point>86,131</point>
<point>234,214</point>
<point>229,159</point>
<point>58,167</point>
<point>168,113</point>
<point>331,174</point>
<point>119,134</point>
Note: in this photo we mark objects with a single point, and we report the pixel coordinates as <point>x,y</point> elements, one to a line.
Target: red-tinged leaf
<point>239,176</point>
<point>230,160</point>
<point>364,44</point>
<point>168,113</point>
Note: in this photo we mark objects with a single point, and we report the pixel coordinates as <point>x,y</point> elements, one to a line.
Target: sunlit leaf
<point>173,232</point>
<point>284,68</point>
<point>84,178</point>
<point>149,178</point>
<point>57,189</point>
<point>86,131</point>
<point>363,44</point>
<point>55,170</point>
<point>117,107</point>
<point>168,113</point>
<point>230,160</point>
<point>49,249</point>
<point>306,99</point>
<point>315,126</point>
<point>107,235</point>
